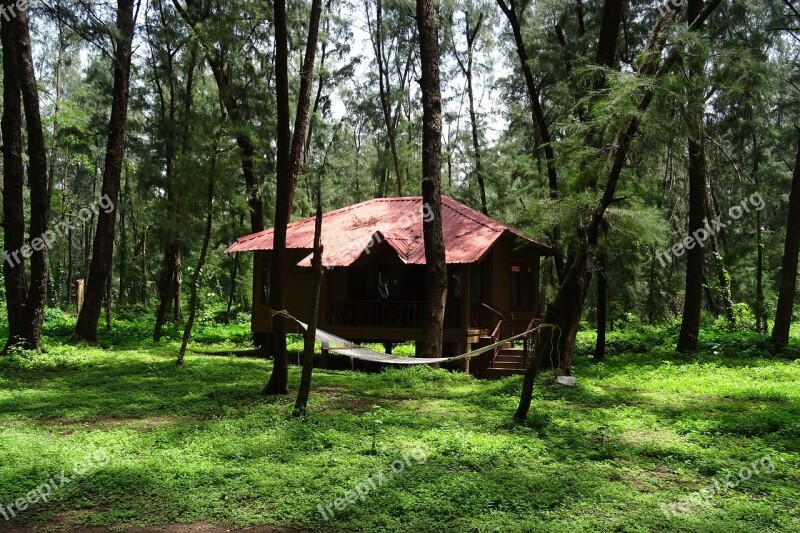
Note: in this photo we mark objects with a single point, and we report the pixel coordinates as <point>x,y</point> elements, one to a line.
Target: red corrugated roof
<point>353,231</point>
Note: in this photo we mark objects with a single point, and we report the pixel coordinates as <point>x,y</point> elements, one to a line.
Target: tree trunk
<point>62,48</point>
<point>123,256</point>
<point>761,321</point>
<point>109,301</point>
<point>251,181</point>
<point>539,121</point>
<point>70,268</point>
<point>609,33</point>
<point>534,99</point>
<point>791,247</point>
<point>201,261</point>
<point>38,184</point>
<point>13,180</point>
<point>320,85</point>
<point>289,149</point>
<point>385,93</point>
<point>693,297</point>
<point>103,250</point>
<point>167,285</point>
<point>602,306</point>
<point>232,292</point>
<point>471,35</point>
<point>435,269</point>
<point>311,333</point>
<point>722,273</point>
<point>143,267</point>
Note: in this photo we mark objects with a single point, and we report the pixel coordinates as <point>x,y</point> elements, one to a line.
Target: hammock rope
<point>353,350</point>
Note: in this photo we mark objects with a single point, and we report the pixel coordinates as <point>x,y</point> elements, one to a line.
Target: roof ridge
<point>459,205</point>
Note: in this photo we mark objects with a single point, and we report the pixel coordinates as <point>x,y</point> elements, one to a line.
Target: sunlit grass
<point>200,443</point>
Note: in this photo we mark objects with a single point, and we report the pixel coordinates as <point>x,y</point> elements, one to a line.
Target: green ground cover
<point>200,444</point>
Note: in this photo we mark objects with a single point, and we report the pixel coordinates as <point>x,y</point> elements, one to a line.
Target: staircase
<point>509,361</point>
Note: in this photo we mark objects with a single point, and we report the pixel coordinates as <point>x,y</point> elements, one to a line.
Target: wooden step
<point>508,364</point>
<point>510,359</point>
<point>499,373</point>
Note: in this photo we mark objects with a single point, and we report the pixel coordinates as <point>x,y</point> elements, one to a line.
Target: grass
<point>200,444</point>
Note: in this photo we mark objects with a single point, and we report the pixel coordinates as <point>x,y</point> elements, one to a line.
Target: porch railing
<point>487,317</point>
<point>373,314</point>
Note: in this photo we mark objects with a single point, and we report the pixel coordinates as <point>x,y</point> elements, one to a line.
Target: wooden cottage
<point>374,284</point>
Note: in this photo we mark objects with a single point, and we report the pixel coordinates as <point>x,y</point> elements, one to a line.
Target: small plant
<point>373,423</point>
<point>18,350</point>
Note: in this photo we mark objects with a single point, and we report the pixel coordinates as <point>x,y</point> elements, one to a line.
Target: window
<point>476,285</point>
<point>454,287</point>
<point>266,274</point>
<point>523,287</point>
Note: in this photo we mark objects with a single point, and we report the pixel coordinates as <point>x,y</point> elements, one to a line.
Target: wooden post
<point>467,360</point>
<point>466,296</point>
<point>79,289</point>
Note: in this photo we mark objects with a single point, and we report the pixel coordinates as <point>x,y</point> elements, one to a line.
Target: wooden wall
<point>497,268</point>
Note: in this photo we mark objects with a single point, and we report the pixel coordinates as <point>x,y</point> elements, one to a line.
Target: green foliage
<point>373,425</point>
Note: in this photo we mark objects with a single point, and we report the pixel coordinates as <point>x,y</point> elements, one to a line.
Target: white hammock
<point>352,350</point>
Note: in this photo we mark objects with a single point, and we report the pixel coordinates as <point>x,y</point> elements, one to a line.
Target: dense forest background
<point>531,100</point>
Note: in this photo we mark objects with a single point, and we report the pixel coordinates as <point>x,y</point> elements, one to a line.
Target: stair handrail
<point>528,341</point>
<point>503,314</point>
<point>497,311</point>
<point>497,329</point>
<point>496,338</point>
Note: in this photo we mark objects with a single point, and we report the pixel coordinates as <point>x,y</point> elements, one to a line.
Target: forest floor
<point>198,448</point>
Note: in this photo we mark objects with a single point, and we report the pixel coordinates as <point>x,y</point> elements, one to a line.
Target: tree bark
<point>289,150</point>
<point>109,303</point>
<point>534,99</point>
<point>311,333</point>
<point>471,35</point>
<point>13,180</point>
<point>201,261</point>
<point>722,273</point>
<point>62,48</point>
<point>385,93</point>
<point>436,268</point>
<point>791,247</point>
<point>761,321</point>
<point>693,296</point>
<point>232,292</point>
<point>103,250</point>
<point>32,298</point>
<point>602,306</point>
<point>539,121</point>
<point>609,33</point>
